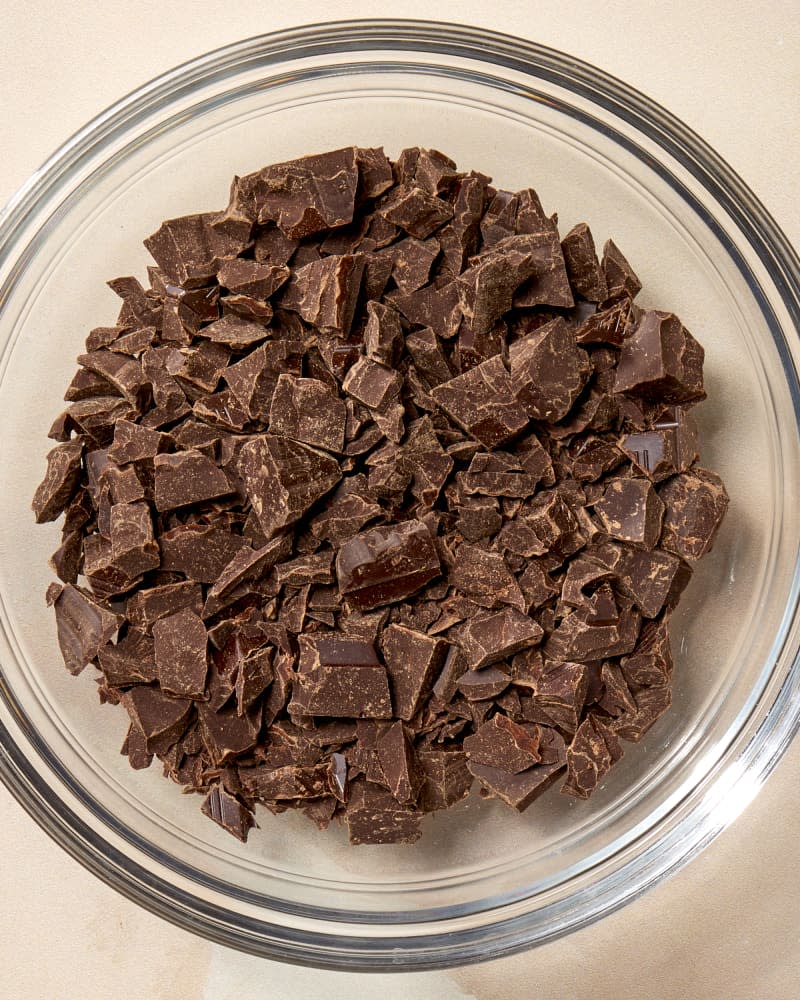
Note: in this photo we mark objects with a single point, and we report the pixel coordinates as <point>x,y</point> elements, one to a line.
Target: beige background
<point>727,926</point>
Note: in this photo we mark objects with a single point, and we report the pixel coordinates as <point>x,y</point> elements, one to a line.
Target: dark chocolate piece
<point>199,551</point>
<point>342,678</point>
<point>415,210</point>
<point>548,371</point>
<point>386,564</point>
<point>413,661</point>
<point>505,744</point>
<point>585,274</point>
<point>620,277</point>
<point>590,756</point>
<point>187,478</point>
<point>84,626</point>
<point>493,637</point>
<point>695,503</point>
<point>668,447</point>
<point>661,360</point>
<point>485,578</point>
<point>517,790</point>
<point>631,511</point>
<point>284,478</point>
<point>180,654</point>
<point>133,547</point>
<point>61,481</point>
<point>373,816</point>
<point>308,411</point>
<point>325,291</point>
<point>226,810</point>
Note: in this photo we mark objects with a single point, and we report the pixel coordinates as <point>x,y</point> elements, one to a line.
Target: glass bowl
<point>483,881</point>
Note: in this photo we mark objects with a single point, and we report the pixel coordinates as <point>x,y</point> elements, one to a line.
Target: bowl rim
<point>438,947</point>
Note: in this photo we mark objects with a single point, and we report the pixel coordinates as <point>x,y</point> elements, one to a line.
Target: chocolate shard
<point>397,762</point>
<point>581,639</point>
<point>486,288</point>
<point>695,503</point>
<point>621,279</point>
<point>610,325</point>
<point>661,360</point>
<point>324,292</point>
<point>198,551</point>
<point>83,626</point>
<point>560,692</point>
<point>489,638</point>
<point>306,410</point>
<point>284,478</point>
<point>426,351</point>
<point>235,332</point>
<point>416,211</point>
<point>129,661</point>
<point>585,274</point>
<point>485,578</point>
<point>446,779</point>
<point>303,196</point>
<point>187,478</point>
<point>134,443</point>
<point>372,384</point>
<point>160,719</point>
<point>482,402</point>
<point>147,606</point>
<point>383,334</point>
<point>516,790</point>
<point>648,578</point>
<point>248,565</point>
<point>631,511</point>
<point>254,675</point>
<point>61,481</point>
<point>181,654</point>
<point>548,371</point>
<point>435,305</point>
<point>228,812</point>
<point>386,564</point>
<point>249,277</point>
<point>226,735</point>
<point>594,750</point>
<point>483,685</point>
<point>340,677</point>
<point>669,447</point>
<point>373,816</point>
<point>412,261</point>
<point>413,661</point>
<point>133,546</point>
<point>253,379</point>
<point>651,704</point>
<point>479,519</point>
<point>504,744</point>
<point>374,172</point>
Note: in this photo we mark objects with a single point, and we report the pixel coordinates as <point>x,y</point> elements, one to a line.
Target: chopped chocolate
<point>187,478</point>
<point>379,487</point>
<point>386,564</point>
<point>695,503</point>
<point>284,479</point>
<point>585,274</point>
<point>180,654</point>
<point>413,661</point>
<point>631,511</point>
<point>482,402</point>
<point>61,481</point>
<point>342,678</point>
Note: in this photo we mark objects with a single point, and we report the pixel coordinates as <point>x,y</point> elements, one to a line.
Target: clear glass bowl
<point>483,881</point>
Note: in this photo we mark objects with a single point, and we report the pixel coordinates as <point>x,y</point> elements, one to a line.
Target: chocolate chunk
<point>160,719</point>
<point>413,661</point>
<point>397,762</point>
<point>386,564</point>
<point>306,410</point>
<point>134,443</point>
<point>325,291</point>
<point>610,325</point>
<point>486,288</point>
<point>560,692</point>
<point>504,744</point>
<point>585,274</point>
<point>371,383</point>
<point>133,547</point>
<point>485,578</point>
<point>303,196</point>
<point>590,756</point>
<point>60,482</point>
<point>548,371</point>
<point>620,277</point>
<point>340,677</point>
<point>248,277</point>
<point>493,637</point>
<point>661,360</point>
<point>412,261</point>
<point>180,654</point>
<point>227,735</point>
<point>226,810</point>
<point>84,626</point>
<point>479,519</point>
<point>373,816</point>
<point>146,607</point>
<point>130,661</point>
<point>648,578</point>
<point>199,551</point>
<point>374,172</point>
<point>651,704</point>
<point>580,638</point>
<point>383,334</point>
<point>253,379</point>
<point>435,306</point>
<point>517,790</point>
<point>187,478</point>
<point>236,332</point>
<point>445,778</point>
<point>666,449</point>
<point>631,511</point>
<point>414,210</point>
<point>284,479</point>
<point>695,503</point>
<point>482,402</point>
<point>345,516</point>
<point>247,565</point>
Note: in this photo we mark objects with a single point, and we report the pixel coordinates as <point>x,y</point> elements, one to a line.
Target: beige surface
<point>729,924</point>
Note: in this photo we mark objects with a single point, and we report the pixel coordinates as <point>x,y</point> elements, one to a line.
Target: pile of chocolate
<point>379,488</point>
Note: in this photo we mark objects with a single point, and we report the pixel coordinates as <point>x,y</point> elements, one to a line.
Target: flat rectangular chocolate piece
<point>340,677</point>
<point>373,816</point>
<point>180,651</point>
<point>187,478</point>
